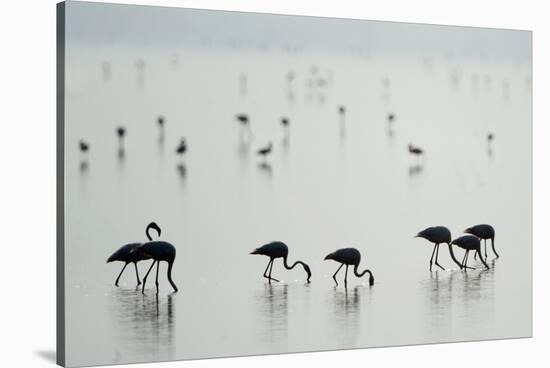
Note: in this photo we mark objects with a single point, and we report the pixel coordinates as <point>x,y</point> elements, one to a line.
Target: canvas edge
<point>60,185</point>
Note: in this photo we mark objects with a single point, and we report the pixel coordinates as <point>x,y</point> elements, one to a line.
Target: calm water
<point>328,184</point>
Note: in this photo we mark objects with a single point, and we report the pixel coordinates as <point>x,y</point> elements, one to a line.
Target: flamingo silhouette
<point>468,243</point>
<point>125,253</point>
<point>438,235</point>
<point>348,257</point>
<point>266,150</point>
<point>158,251</point>
<point>84,147</point>
<point>277,249</point>
<point>484,232</point>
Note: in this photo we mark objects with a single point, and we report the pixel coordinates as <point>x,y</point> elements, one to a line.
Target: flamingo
<point>484,232</point>
<point>468,243</point>
<point>278,249</point>
<point>158,251</point>
<point>266,150</point>
<point>84,147</point>
<point>348,257</point>
<point>438,235</point>
<point>125,253</point>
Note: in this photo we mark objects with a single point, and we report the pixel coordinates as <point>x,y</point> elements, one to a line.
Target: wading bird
<point>468,243</point>
<point>182,147</point>
<point>275,250</point>
<point>438,235</point>
<point>125,253</point>
<point>158,251</point>
<point>266,150</point>
<point>285,122</point>
<point>349,257</point>
<point>243,119</point>
<point>84,147</point>
<point>415,150</point>
<point>120,132</point>
<point>484,232</point>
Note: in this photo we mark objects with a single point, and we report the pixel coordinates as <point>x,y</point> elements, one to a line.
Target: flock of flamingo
<point>158,250</point>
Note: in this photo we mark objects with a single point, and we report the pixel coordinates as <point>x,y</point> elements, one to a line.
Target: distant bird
<point>490,137</point>
<point>274,250</point>
<point>125,253</point>
<point>391,117</point>
<point>121,132</point>
<point>342,110</point>
<point>243,119</point>
<point>468,243</point>
<point>415,150</point>
<point>484,232</point>
<point>266,150</point>
<point>182,147</point>
<point>438,235</point>
<point>285,122</point>
<point>349,257</point>
<point>158,251</point>
<point>160,121</point>
<point>84,147</point>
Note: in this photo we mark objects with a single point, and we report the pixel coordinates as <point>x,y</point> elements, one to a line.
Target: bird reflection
<point>273,303</point>
<point>266,168</point>
<point>145,322</point>
<point>347,303</point>
<point>415,170</point>
<point>182,170</point>
<point>83,166</point>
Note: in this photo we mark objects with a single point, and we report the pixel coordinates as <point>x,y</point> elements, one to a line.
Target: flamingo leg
<point>493,246</point>
<point>464,258</point>
<point>120,274</point>
<point>157,278</point>
<point>145,277</point>
<point>267,268</point>
<point>137,273</point>
<point>334,276</point>
<point>437,255</point>
<point>432,258</point>
<point>466,262</point>
<point>271,269</point>
<point>485,243</point>
<point>346,278</point>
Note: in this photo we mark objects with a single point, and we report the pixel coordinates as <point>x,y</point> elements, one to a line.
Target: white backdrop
<point>27,164</point>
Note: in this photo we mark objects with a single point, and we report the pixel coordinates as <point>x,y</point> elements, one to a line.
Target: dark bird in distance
<point>285,122</point>
<point>182,147</point>
<point>121,132</point>
<point>84,147</point>
<point>274,250</point>
<point>125,253</point>
<point>342,109</point>
<point>242,118</point>
<point>484,232</point>
<point>266,150</point>
<point>438,235</point>
<point>490,137</point>
<point>415,150</point>
<point>160,121</point>
<point>158,251</point>
<point>468,243</point>
<point>348,257</point>
<point>391,117</point>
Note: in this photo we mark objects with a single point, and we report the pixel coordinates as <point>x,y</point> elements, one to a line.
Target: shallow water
<point>328,184</point>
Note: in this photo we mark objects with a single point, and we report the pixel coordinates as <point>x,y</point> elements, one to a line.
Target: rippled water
<point>328,184</point>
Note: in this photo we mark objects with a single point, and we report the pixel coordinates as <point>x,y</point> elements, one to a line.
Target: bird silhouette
<point>484,232</point>
<point>243,119</point>
<point>158,251</point>
<point>415,150</point>
<point>348,257</point>
<point>121,133</point>
<point>84,147</point>
<point>391,117</point>
<point>161,122</point>
<point>182,147</point>
<point>342,110</point>
<point>438,235</point>
<point>125,253</point>
<point>266,150</point>
<point>468,243</point>
<point>277,249</point>
<point>285,122</point>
